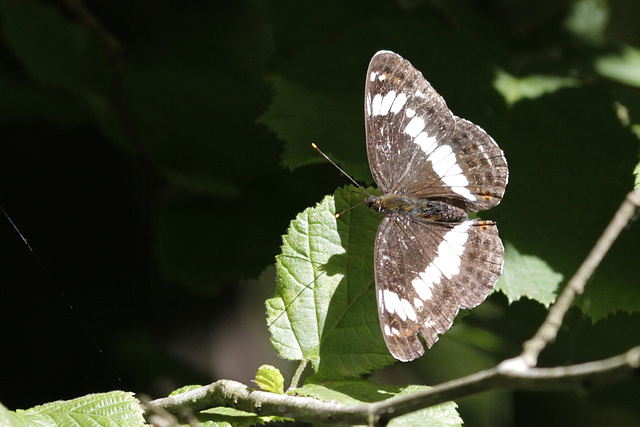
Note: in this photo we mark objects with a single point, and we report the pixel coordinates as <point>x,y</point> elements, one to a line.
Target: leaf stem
<point>296,376</point>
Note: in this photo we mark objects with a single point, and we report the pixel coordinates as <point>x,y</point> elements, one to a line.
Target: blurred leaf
<point>24,101</point>
<point>623,68</point>
<point>63,54</point>
<point>360,391</point>
<point>195,92</point>
<point>194,235</point>
<point>201,184</point>
<point>515,89</point>
<point>588,20</point>
<point>55,50</point>
<point>196,101</point>
<point>300,114</point>
<point>571,164</point>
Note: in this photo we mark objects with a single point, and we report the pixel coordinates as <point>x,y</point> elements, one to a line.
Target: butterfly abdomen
<point>429,209</point>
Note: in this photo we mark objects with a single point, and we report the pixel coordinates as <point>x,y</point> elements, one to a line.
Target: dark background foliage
<point>154,197</point>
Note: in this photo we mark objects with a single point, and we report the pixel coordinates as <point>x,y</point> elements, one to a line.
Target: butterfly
<point>433,168</point>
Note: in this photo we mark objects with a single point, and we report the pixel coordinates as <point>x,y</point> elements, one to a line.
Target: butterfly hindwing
<point>481,162</point>
<point>426,271</point>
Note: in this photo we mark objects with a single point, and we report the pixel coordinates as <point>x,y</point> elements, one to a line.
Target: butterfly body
<point>433,168</point>
<point>428,209</point>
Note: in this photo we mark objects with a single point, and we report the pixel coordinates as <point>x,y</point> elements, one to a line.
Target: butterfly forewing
<point>417,146</point>
<point>426,268</point>
<point>399,102</point>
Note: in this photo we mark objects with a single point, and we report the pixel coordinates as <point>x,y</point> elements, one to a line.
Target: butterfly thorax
<point>430,209</point>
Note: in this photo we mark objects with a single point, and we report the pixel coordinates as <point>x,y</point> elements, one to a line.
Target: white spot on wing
<point>387,330</point>
<point>458,183</point>
<point>393,305</point>
<point>375,104</point>
<point>423,284</point>
<point>410,112</point>
<point>427,143</point>
<point>464,192</point>
<point>408,309</point>
<point>399,102</point>
<point>443,160</point>
<point>455,177</point>
<point>373,75</point>
<point>414,127</point>
<point>417,302</point>
<point>387,102</point>
<point>446,263</point>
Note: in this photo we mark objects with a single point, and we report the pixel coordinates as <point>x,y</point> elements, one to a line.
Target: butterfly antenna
<point>339,214</point>
<point>337,167</point>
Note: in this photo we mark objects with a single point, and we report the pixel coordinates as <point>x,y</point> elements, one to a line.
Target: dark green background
<point>152,220</point>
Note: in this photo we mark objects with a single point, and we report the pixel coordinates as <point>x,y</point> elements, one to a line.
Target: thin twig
<point>236,395</point>
<point>550,327</point>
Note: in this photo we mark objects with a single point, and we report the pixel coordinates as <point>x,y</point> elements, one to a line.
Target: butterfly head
<point>376,203</point>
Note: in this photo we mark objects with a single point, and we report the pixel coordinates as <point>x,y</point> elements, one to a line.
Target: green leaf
<point>623,68</point>
<point>270,379</point>
<point>230,417</point>
<point>117,408</point>
<point>515,89</point>
<point>528,276</point>
<point>570,170</point>
<point>56,50</point>
<point>300,114</point>
<point>444,415</point>
<point>184,389</point>
<point>63,54</point>
<point>360,391</point>
<point>10,418</point>
<point>324,308</point>
<point>222,416</point>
